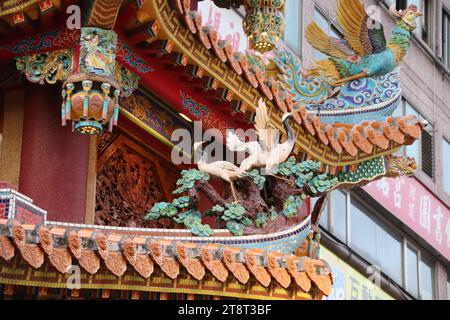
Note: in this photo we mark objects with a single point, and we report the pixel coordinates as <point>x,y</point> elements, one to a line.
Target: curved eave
<point>182,30</point>
<point>148,262</point>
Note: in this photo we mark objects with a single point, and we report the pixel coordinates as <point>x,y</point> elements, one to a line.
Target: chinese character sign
<point>418,208</point>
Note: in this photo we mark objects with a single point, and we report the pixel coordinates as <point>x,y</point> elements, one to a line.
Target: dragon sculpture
<point>401,166</point>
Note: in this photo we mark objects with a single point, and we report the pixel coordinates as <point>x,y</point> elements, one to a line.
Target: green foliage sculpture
<point>266,204</point>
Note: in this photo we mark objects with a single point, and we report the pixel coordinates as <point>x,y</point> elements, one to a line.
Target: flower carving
<point>280,274</point>
<point>216,267</point>
<point>46,240</point>
<point>31,253</point>
<point>300,277</point>
<point>75,244</point>
<point>192,265</point>
<point>167,264</point>
<point>239,270</point>
<point>259,272</point>
<point>129,250</point>
<point>61,259</point>
<point>102,245</point>
<point>6,248</point>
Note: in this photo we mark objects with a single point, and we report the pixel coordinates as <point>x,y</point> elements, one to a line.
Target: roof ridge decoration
<point>228,72</point>
<point>175,18</point>
<point>254,261</point>
<point>116,251</point>
<point>134,250</point>
<point>244,210</point>
<point>251,213</point>
<point>365,99</point>
<point>242,84</point>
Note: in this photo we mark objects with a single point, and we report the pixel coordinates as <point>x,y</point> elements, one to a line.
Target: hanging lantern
<point>92,84</point>
<point>264,23</point>
<point>91,95</point>
<point>91,106</point>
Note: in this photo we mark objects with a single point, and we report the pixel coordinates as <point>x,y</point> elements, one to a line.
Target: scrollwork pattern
<point>46,67</point>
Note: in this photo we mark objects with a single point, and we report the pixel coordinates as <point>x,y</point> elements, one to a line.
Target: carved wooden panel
<point>103,141</point>
<point>130,180</point>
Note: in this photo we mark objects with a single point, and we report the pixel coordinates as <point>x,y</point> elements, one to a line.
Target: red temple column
<point>55,161</point>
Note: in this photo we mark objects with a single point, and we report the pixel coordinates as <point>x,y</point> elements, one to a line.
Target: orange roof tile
<point>333,139</point>
<point>365,136</point>
<point>91,248</point>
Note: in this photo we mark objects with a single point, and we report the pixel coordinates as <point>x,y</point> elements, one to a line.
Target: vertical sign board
<point>349,284</point>
<point>414,205</point>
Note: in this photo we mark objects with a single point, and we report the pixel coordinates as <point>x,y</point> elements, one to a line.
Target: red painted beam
<point>142,33</point>
<point>23,22</point>
<point>59,39</point>
<point>126,14</point>
<point>47,19</point>
<point>6,29</point>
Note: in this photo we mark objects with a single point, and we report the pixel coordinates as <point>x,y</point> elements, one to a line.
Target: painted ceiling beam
<point>103,13</point>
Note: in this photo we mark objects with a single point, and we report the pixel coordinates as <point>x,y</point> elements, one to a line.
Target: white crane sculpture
<point>220,169</point>
<point>267,152</point>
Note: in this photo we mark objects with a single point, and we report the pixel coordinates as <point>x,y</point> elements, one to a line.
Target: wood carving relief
<point>130,180</point>
<point>104,139</point>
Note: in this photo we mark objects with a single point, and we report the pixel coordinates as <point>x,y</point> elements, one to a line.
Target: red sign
<point>418,208</point>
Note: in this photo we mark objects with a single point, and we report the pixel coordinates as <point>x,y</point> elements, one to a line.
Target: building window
<point>446,165</point>
<point>349,220</point>
<point>419,274</point>
<point>446,37</point>
<point>292,34</point>
<point>426,280</point>
<point>414,150</point>
<point>412,271</point>
<point>339,215</point>
<point>371,239</point>
<point>363,238</point>
<point>422,150</point>
<point>427,160</point>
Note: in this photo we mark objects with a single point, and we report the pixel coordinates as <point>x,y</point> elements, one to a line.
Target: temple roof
<point>169,31</point>
<point>335,145</point>
<point>117,252</point>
